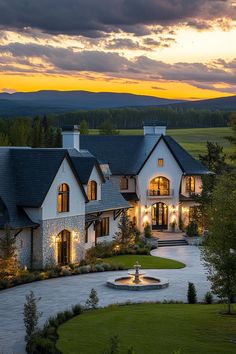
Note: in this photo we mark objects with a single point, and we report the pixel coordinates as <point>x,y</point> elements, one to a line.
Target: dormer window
<point>124,183</point>
<point>92,190</point>
<point>190,184</point>
<point>63,198</point>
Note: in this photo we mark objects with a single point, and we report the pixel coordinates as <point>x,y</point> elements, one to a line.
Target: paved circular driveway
<point>59,294</point>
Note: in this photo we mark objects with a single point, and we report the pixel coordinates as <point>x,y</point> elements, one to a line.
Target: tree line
<point>133,118</point>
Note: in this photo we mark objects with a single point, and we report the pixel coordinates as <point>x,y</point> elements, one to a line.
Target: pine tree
<point>84,128</point>
<point>192,294</point>
<point>107,128</point>
<point>8,259</point>
<point>57,139</point>
<point>37,133</point>
<point>31,315</point>
<point>125,234</point>
<point>219,252</point>
<point>93,300</point>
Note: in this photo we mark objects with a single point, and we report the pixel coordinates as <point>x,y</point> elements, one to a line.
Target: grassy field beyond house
<point>151,329</point>
<point>193,140</point>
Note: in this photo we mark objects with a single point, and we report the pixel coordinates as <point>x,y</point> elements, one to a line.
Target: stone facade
<point>45,241</point>
<point>23,244</point>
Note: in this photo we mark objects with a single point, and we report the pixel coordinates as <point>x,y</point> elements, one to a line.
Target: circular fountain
<point>137,280</point>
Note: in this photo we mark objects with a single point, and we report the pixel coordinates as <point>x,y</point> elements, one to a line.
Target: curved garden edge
<point>115,263</point>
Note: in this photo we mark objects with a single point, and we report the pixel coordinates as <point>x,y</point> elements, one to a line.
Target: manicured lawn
<point>193,140</point>
<point>151,329</point>
<point>147,262</point>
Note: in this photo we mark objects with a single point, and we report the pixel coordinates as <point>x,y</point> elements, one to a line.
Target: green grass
<point>193,140</point>
<point>147,262</point>
<point>151,329</point>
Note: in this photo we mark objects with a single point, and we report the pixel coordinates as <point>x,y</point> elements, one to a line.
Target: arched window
<point>159,186</point>
<point>124,183</point>
<point>92,190</point>
<point>63,198</point>
<point>190,184</point>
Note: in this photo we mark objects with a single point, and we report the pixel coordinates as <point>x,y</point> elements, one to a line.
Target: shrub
<point>66,272</point>
<point>4,284</point>
<point>192,294</point>
<point>99,268</point>
<point>106,266</point>
<point>208,298</point>
<point>77,270</point>
<point>192,229</point>
<point>147,230</point>
<point>77,310</point>
<point>101,250</point>
<point>41,345</point>
<point>85,269</point>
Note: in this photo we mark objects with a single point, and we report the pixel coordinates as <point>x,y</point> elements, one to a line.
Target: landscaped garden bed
<point>151,328</point>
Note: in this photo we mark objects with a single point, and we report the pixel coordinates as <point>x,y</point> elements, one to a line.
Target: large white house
<point>59,202</point>
<point>153,172</point>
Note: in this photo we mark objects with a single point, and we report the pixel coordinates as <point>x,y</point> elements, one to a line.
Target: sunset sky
<point>182,49</point>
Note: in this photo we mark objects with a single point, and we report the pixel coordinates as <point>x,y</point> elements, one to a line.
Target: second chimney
<point>71,137</point>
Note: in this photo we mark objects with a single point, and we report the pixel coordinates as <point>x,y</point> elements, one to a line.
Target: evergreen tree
<point>57,138</point>
<point>107,128</point>
<point>8,258</point>
<point>192,294</point>
<point>37,133</point>
<point>84,129</point>
<point>92,301</point>
<point>4,140</point>
<point>125,234</point>
<point>219,252</point>
<point>31,315</point>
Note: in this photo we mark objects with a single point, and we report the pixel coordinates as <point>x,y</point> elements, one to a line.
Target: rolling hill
<point>43,102</point>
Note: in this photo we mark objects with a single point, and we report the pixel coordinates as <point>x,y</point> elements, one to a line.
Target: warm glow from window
<point>92,190</point>
<point>190,184</point>
<point>160,162</point>
<point>63,198</point>
<point>159,186</point>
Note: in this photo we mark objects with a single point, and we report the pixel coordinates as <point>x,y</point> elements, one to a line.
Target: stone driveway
<point>59,294</point>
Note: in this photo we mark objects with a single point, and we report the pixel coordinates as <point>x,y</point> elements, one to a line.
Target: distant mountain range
<point>45,102</point>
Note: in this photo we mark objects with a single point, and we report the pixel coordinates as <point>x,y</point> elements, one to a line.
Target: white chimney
<point>70,137</point>
<point>154,129</point>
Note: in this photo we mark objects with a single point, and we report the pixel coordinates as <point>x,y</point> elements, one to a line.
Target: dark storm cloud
<point>94,18</point>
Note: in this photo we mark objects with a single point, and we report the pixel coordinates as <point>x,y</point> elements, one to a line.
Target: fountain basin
<point>146,283</point>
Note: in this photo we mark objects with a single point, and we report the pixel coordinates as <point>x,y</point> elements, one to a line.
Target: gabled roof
<point>111,200</point>
<point>187,162</point>
<point>127,154</point>
<point>11,214</point>
<point>84,163</point>
<point>124,154</point>
<point>26,175</point>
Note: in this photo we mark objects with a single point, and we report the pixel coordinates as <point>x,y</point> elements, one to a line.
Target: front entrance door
<point>160,216</point>
<point>63,255</point>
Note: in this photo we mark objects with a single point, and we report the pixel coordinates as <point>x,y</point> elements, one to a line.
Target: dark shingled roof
<point>10,214</point>
<point>26,175</point>
<point>127,154</point>
<point>111,200</point>
<point>84,163</point>
<point>130,197</point>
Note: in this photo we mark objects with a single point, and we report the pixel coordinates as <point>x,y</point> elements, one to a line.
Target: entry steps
<point>170,243</point>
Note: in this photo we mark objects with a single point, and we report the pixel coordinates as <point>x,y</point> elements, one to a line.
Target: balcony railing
<point>160,193</point>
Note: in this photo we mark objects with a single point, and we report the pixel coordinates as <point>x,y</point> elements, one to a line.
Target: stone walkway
<point>59,294</point>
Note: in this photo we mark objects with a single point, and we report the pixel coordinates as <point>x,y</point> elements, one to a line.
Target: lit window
<point>124,183</point>
<point>63,198</point>
<point>190,184</point>
<point>102,228</point>
<point>160,162</point>
<point>92,190</point>
<point>159,186</point>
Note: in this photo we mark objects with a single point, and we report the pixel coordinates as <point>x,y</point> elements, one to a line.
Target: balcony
<point>160,193</point>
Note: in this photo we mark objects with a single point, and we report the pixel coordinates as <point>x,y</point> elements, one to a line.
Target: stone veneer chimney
<point>154,129</point>
<point>71,137</point>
